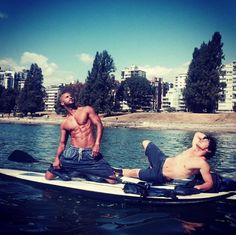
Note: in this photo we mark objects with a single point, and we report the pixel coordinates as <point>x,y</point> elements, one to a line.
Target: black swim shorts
<point>156,160</point>
<point>76,160</point>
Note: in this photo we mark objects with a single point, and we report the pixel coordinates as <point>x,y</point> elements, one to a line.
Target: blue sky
<point>63,36</point>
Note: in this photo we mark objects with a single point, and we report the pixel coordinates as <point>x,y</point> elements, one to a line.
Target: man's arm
<point>197,136</point>
<point>61,147</point>
<point>206,175</point>
<point>95,119</point>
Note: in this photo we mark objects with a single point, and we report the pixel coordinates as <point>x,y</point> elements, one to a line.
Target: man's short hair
<point>63,92</point>
<point>212,146</point>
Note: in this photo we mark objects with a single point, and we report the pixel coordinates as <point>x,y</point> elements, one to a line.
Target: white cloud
<point>3,15</point>
<point>48,68</point>
<point>167,73</point>
<point>60,76</point>
<point>52,74</point>
<point>10,64</point>
<point>85,58</point>
<point>156,71</point>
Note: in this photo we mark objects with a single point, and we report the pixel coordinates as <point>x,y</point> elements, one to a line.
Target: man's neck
<point>70,109</point>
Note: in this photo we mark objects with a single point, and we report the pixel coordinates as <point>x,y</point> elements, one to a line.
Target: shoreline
<point>174,126</point>
<point>225,122</point>
<point>220,122</point>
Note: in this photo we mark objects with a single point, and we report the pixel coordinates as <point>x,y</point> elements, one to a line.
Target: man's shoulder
<point>86,108</point>
<point>65,121</point>
<point>199,161</point>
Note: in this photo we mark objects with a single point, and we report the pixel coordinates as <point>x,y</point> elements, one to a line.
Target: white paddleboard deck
<point>111,192</point>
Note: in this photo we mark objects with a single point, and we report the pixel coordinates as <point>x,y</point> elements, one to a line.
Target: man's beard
<point>72,106</point>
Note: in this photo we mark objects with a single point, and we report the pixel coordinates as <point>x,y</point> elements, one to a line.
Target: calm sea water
<point>25,209</point>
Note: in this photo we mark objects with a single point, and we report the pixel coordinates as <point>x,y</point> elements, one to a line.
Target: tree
<point>9,101</point>
<point>2,89</point>
<point>116,101</point>
<point>234,107</point>
<point>137,91</point>
<point>100,84</point>
<point>31,97</point>
<point>203,84</point>
<point>223,85</point>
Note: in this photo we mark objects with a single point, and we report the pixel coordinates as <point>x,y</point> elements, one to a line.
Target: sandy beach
<point>224,122</point>
<point>221,122</point>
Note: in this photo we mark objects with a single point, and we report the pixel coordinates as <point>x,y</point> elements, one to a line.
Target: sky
<point>159,36</point>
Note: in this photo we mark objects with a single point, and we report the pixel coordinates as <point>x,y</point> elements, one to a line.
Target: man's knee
<point>145,143</point>
<point>49,176</point>
<point>112,179</point>
<point>134,173</point>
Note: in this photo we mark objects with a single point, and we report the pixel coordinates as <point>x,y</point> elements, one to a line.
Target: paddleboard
<point>108,192</point>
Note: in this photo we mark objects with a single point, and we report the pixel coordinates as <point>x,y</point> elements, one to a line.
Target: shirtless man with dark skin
<point>79,124</point>
<point>186,164</point>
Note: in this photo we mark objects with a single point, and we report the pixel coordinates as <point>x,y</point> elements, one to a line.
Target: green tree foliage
<point>234,108</point>
<point>222,94</point>
<point>7,100</point>
<point>202,84</point>
<point>100,84</point>
<point>137,91</point>
<point>115,97</point>
<point>31,97</point>
<point>2,89</point>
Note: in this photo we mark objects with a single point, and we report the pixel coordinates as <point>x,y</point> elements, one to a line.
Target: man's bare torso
<point>80,128</point>
<point>182,166</point>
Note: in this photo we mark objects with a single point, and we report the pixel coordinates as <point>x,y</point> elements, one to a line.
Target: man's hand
<point>56,164</point>
<point>96,150</point>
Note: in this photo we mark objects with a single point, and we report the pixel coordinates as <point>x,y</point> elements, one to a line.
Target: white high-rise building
<point>133,71</point>
<point>174,97</point>
<point>7,79</point>
<point>180,81</point>
<point>2,73</point>
<point>20,78</point>
<point>228,95</point>
<point>51,98</point>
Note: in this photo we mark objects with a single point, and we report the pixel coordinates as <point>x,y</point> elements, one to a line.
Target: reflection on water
<point>30,210</point>
<point>26,209</point>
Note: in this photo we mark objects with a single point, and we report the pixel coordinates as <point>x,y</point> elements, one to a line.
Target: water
<point>26,209</point>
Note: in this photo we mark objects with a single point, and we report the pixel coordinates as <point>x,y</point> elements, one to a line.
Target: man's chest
<point>81,117</point>
<point>77,122</point>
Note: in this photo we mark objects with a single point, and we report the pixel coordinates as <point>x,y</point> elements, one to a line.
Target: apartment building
<point>133,71</point>
<point>180,81</point>
<point>52,93</point>
<point>7,79</point>
<point>10,79</point>
<point>20,78</point>
<point>157,83</point>
<point>227,99</point>
<point>174,96</point>
<point>2,74</point>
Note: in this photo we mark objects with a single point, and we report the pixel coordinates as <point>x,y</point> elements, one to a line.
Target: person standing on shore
<point>186,164</point>
<point>84,153</point>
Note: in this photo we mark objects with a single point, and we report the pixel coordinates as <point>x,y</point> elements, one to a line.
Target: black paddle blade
<point>21,156</point>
